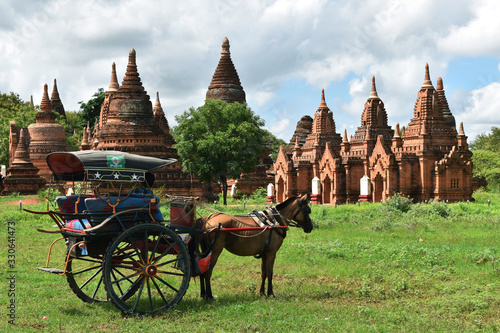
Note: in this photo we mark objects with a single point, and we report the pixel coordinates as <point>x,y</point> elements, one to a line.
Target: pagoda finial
<point>157,107</point>
<point>297,144</point>
<point>132,81</point>
<point>45,105</point>
<point>403,130</point>
<point>323,103</point>
<point>345,136</point>
<point>113,84</point>
<point>31,101</point>
<point>439,85</point>
<point>131,57</point>
<point>225,45</point>
<point>373,93</point>
<point>396,131</point>
<point>427,78</point>
<point>55,93</point>
<point>461,130</point>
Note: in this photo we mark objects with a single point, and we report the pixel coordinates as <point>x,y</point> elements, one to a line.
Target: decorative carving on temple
<point>225,83</point>
<point>22,175</point>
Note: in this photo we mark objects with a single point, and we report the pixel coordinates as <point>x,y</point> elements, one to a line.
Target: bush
<point>433,208</point>
<point>397,203</point>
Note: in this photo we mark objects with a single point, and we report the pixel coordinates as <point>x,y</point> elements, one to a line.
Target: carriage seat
<point>66,204</point>
<point>94,210</point>
<point>99,209</point>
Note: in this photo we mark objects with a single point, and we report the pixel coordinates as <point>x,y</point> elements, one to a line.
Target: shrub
<point>397,203</point>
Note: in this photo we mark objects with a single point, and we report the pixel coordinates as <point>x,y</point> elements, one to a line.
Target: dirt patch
<point>26,201</point>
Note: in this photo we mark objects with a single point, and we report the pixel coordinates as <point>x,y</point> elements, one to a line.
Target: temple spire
<point>439,85</point>
<point>132,81</point>
<point>444,104</point>
<point>55,93</point>
<point>157,108</point>
<point>113,84</point>
<point>427,78</point>
<point>345,136</point>
<point>396,131</point>
<point>55,101</point>
<point>323,103</point>
<point>461,131</point>
<point>45,105</point>
<point>373,93</point>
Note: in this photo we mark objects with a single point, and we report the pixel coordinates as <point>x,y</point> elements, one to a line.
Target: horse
<point>262,244</point>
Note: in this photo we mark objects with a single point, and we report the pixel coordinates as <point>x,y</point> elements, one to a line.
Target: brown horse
<point>262,244</point>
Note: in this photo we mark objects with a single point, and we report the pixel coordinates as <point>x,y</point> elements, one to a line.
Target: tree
<point>73,128</point>
<point>486,157</point>
<point>219,140</point>
<point>91,110</point>
<point>273,143</point>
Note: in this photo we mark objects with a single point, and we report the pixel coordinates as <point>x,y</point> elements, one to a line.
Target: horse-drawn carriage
<point>119,246</point>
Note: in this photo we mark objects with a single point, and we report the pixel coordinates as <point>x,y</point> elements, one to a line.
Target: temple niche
<point>226,86</point>
<point>425,160</point>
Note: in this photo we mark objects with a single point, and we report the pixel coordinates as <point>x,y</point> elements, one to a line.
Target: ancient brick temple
<point>128,122</point>
<point>425,160</point>
<point>226,86</point>
<point>43,137</point>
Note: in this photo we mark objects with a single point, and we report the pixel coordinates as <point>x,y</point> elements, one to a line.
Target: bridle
<point>306,210</point>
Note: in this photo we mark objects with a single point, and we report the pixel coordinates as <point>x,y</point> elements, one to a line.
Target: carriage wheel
<point>150,260</point>
<point>84,275</point>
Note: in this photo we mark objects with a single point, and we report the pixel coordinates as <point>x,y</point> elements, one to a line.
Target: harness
<point>270,218</point>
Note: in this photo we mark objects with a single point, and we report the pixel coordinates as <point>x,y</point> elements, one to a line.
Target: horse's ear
<point>305,197</point>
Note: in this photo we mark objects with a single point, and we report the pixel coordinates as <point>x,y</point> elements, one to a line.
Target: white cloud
<point>178,47</point>
<point>481,110</point>
<point>478,36</point>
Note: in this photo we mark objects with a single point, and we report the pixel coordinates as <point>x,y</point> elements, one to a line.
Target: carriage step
<point>51,270</point>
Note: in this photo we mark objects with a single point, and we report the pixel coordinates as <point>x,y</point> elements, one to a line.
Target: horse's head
<point>297,210</point>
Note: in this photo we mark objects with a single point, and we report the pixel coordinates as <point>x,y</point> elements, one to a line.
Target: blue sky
<point>285,52</point>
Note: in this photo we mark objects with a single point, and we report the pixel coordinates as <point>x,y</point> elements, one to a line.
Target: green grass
<point>366,268</point>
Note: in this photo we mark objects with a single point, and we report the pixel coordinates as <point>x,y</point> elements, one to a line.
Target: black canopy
<point>107,165</point>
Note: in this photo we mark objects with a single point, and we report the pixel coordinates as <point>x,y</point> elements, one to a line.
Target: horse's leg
<point>263,274</point>
<point>205,285</point>
<point>270,257</point>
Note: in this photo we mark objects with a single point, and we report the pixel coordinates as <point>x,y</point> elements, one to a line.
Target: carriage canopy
<point>107,165</point>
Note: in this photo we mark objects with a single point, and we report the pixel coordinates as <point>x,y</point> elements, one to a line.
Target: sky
<point>285,52</point>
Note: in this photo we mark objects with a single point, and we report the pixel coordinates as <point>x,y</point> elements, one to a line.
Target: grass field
<point>369,268</point>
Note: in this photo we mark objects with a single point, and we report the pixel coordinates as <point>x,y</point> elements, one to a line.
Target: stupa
<point>22,175</point>
<point>45,136</point>
<point>226,83</point>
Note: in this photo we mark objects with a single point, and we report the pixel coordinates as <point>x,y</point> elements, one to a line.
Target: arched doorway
<point>281,190</point>
<point>378,188</point>
<point>327,190</point>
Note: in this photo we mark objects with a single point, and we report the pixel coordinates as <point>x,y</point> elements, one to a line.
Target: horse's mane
<point>285,203</point>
